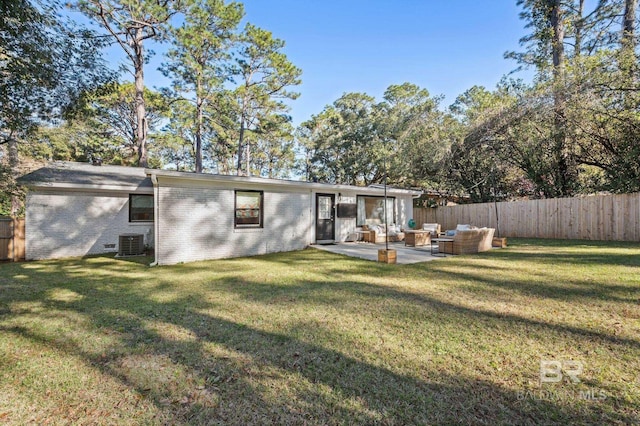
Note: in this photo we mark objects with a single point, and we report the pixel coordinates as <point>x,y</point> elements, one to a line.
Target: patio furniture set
<point>465,239</point>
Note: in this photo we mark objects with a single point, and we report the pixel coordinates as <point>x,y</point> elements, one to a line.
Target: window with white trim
<point>248,209</point>
<point>370,210</point>
<point>140,208</point>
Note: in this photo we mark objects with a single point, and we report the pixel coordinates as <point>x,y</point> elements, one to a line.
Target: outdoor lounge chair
<point>434,228</point>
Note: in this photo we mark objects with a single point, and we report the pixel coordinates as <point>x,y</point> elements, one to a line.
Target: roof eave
<point>53,186</point>
<point>271,182</point>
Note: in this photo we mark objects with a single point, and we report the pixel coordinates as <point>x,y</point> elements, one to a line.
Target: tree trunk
<point>628,41</point>
<point>248,162</point>
<point>240,142</point>
<point>140,105</point>
<point>558,38</point>
<point>199,142</point>
<point>579,24</point>
<point>243,120</point>
<point>199,124</point>
<point>564,176</point>
<point>628,26</point>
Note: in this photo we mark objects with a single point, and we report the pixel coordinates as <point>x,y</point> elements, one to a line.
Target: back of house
<point>78,209</point>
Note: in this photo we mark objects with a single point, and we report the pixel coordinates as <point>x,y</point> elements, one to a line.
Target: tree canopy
<point>573,129</point>
<point>47,63</point>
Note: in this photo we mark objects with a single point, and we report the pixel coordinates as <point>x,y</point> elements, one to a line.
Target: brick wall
<point>196,223</point>
<point>65,224</point>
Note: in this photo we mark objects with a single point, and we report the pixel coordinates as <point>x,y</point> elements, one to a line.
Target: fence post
<point>19,239</point>
<point>5,239</point>
<point>12,239</point>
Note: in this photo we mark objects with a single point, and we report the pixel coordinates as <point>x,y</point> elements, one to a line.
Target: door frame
<point>333,218</point>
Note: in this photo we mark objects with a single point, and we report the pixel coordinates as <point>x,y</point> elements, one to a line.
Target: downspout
<point>156,222</point>
<point>312,222</point>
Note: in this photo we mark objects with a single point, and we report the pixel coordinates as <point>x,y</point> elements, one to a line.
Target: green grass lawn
<point>315,338</point>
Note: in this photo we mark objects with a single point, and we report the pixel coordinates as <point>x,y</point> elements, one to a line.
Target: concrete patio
<point>369,251</point>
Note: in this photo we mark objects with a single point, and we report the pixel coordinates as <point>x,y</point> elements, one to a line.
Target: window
<point>140,208</point>
<point>248,209</point>
<point>371,210</point>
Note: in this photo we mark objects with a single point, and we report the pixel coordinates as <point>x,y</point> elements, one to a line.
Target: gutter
<point>156,222</point>
<point>276,183</point>
<point>82,187</point>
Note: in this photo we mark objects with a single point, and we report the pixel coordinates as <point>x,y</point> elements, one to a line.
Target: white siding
<point>404,210</point>
<point>196,223</point>
<point>64,224</point>
<point>345,227</point>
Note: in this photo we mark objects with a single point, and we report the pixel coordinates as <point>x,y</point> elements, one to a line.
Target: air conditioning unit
<point>130,244</point>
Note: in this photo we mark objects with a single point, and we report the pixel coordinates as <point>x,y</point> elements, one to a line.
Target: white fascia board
<point>240,181</point>
<point>75,187</point>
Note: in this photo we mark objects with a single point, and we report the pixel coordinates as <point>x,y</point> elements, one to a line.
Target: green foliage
<point>340,144</point>
<point>77,140</point>
<point>356,139</point>
<point>47,63</point>
<point>228,90</point>
<point>9,192</point>
<point>131,23</point>
<point>263,75</point>
<point>494,158</point>
<point>416,134</point>
<point>197,63</point>
<point>102,125</point>
<point>114,110</point>
<point>575,129</point>
<point>274,153</point>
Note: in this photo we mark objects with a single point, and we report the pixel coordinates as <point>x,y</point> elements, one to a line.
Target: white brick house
<point>75,209</point>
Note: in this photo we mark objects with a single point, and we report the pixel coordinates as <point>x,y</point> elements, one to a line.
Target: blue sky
<point>365,46</point>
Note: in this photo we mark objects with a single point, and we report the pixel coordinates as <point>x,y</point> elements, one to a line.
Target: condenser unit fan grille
<point>130,244</point>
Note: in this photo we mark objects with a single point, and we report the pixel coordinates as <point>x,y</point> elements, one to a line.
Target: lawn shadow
<point>228,365</point>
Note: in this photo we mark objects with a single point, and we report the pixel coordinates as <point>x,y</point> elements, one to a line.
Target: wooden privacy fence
<point>603,217</point>
<point>11,239</point>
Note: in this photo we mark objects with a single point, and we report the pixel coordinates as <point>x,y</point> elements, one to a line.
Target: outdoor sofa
<point>466,241</point>
<point>378,233</point>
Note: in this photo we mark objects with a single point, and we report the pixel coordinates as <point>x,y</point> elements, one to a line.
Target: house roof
<point>71,175</point>
<point>264,182</point>
<point>85,176</point>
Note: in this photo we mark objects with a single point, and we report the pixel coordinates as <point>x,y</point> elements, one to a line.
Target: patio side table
<point>435,246</point>
<point>417,238</point>
<point>362,236</point>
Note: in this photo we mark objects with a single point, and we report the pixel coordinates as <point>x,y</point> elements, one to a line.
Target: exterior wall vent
<point>130,244</point>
